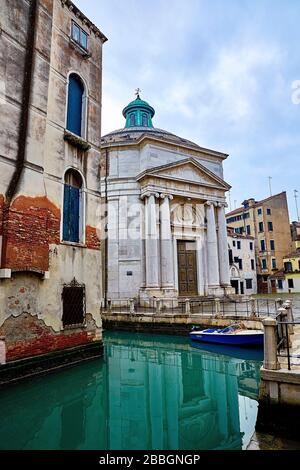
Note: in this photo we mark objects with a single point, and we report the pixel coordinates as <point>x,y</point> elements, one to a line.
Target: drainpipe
<point>24,121</point>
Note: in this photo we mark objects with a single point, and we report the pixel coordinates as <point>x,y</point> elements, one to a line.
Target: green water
<point>148,392</point>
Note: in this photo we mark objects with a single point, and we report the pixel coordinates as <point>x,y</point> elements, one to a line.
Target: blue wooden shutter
<point>66,216</point>
<point>74,214</point>
<point>71,214</point>
<point>75,96</point>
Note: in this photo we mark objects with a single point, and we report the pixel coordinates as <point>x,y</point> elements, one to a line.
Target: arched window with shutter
<point>76,105</point>
<point>73,207</point>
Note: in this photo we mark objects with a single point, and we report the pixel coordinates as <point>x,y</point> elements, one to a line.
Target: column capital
<point>149,194</point>
<point>211,204</point>
<point>222,205</point>
<point>166,196</point>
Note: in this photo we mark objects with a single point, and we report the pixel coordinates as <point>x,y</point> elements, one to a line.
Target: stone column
<point>270,344</point>
<point>212,247</point>
<point>151,242</point>
<point>223,247</point>
<point>166,249</point>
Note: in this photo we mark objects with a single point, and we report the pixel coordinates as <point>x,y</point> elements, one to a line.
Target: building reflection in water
<point>150,392</point>
<point>167,395</point>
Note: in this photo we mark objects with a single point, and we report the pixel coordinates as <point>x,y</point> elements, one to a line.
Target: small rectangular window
<point>79,35</point>
<point>272,245</point>
<point>280,284</point>
<point>233,243</point>
<point>264,264</point>
<point>269,212</point>
<point>270,226</point>
<point>238,245</point>
<point>236,259</point>
<point>288,267</point>
<point>262,245</point>
<point>252,264</point>
<point>83,39</point>
<point>291,283</point>
<point>240,264</point>
<point>259,211</point>
<point>75,32</point>
<point>248,283</point>
<point>230,257</point>
<point>274,266</point>
<point>261,226</point>
<point>248,229</point>
<point>251,246</point>
<point>73,297</point>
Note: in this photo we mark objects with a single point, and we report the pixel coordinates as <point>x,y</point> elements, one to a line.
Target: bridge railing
<point>217,307</point>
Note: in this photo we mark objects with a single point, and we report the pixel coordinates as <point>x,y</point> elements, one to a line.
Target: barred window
<point>73,297</point>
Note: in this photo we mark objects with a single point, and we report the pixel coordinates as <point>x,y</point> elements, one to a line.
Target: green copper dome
<point>138,113</point>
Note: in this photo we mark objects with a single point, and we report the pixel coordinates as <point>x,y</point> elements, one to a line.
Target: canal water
<point>148,392</point>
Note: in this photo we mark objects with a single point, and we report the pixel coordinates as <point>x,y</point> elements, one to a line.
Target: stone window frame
<point>85,104</point>
<point>82,210</point>
<point>81,30</point>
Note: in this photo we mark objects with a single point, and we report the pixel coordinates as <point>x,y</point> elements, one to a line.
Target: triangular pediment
<point>187,170</point>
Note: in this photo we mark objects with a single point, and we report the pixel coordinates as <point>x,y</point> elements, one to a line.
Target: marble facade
<point>161,189</point>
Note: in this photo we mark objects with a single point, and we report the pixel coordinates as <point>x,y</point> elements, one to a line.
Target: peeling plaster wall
<point>30,305</point>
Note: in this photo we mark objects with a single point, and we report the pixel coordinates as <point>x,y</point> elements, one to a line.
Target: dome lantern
<point>138,113</point>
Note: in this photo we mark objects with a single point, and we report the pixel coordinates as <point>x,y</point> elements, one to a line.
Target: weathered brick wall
<point>92,239</point>
<point>1,213</point>
<point>33,224</point>
<point>27,336</point>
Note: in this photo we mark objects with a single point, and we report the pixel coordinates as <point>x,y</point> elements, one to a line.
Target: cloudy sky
<point>218,72</point>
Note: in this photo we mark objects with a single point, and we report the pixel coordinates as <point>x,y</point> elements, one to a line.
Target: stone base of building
<point>220,291</point>
<point>21,369</point>
<point>229,290</point>
<point>169,297</point>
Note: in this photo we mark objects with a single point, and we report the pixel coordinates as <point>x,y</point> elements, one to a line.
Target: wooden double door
<point>187,268</point>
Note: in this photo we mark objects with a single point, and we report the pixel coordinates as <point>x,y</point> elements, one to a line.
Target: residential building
<point>166,212</point>
<point>50,121</point>
<point>295,234</point>
<point>291,271</point>
<point>242,262</point>
<point>268,222</point>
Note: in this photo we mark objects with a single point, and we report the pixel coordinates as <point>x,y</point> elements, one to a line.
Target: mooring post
<point>270,344</point>
<point>158,306</point>
<point>109,304</point>
<point>187,306</point>
<point>288,305</point>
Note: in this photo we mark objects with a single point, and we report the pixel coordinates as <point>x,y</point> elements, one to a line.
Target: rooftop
<point>254,204</point>
<point>231,233</point>
<point>78,13</point>
<point>293,254</point>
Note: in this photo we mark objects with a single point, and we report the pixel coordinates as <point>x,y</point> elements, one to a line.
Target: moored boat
<point>234,335</point>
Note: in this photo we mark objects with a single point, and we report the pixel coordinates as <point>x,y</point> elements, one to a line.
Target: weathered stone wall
<point>31,232</point>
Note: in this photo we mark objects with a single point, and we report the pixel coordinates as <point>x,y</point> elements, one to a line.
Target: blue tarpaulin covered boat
<point>233,335</point>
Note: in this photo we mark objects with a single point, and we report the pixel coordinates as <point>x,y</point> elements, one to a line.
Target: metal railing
<point>204,307</point>
<point>284,344</point>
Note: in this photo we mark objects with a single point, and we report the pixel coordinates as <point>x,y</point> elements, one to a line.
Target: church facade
<point>165,213</point>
